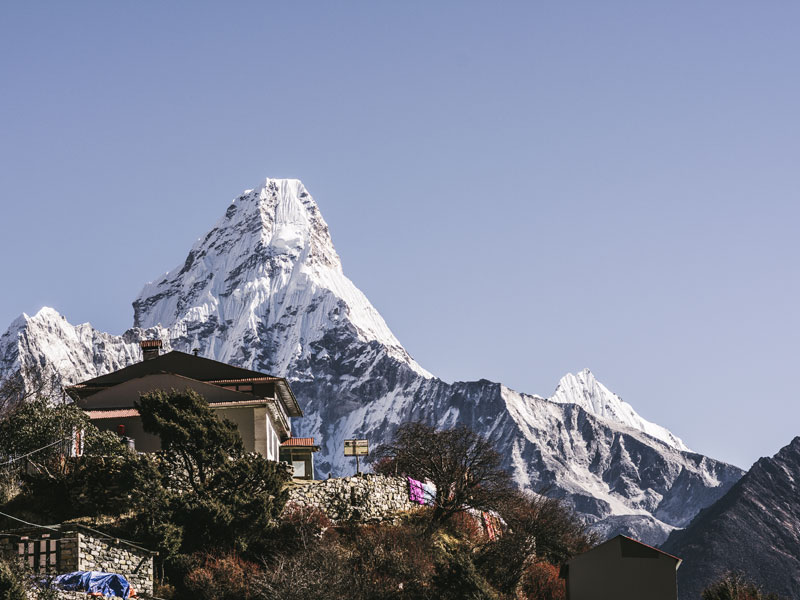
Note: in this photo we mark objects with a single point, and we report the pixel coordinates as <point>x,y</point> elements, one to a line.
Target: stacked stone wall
<point>365,498</point>
<point>104,554</point>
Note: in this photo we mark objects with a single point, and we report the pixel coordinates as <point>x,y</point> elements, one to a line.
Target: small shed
<point>299,453</point>
<point>622,569</point>
<point>71,547</point>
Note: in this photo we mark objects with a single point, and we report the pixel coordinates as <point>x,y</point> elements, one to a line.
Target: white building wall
<point>273,442</point>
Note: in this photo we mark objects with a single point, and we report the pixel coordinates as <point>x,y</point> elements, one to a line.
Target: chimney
<point>150,348</point>
<point>196,351</point>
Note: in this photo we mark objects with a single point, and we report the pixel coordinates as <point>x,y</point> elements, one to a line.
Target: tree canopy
<point>220,496</point>
<point>194,441</point>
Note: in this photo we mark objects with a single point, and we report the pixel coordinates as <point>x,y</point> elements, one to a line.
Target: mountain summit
<point>265,290</point>
<point>263,286</point>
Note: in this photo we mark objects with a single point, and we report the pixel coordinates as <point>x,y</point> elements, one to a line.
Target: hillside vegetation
<point>216,514</point>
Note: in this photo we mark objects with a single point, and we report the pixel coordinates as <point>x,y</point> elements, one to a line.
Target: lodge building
<point>262,406</point>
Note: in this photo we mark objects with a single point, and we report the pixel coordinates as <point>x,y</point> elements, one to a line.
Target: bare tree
<point>18,386</point>
<point>735,586</point>
<point>464,467</point>
<point>538,529</point>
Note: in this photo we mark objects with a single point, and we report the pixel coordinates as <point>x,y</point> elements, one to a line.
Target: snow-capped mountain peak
<point>263,285</point>
<point>584,390</point>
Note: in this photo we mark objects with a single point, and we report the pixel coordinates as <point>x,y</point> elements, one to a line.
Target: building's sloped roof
<point>125,394</point>
<point>188,365</point>
<point>631,548</point>
<point>304,443</point>
<point>192,367</point>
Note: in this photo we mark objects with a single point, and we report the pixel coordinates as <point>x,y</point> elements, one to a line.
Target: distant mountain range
<point>754,529</point>
<point>264,289</point>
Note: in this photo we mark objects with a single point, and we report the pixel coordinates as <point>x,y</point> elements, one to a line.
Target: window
<point>39,555</point>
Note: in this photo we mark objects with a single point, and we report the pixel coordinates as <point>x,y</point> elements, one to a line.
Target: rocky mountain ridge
<point>265,289</point>
<point>753,529</point>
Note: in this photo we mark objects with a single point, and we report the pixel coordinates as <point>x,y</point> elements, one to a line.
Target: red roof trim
<point>308,441</point>
<point>243,380</point>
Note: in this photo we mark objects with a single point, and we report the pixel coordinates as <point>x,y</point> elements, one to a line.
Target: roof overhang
<point>287,398</point>
<point>121,413</point>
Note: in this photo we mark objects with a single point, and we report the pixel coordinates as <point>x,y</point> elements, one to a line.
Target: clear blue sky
<point>521,189</point>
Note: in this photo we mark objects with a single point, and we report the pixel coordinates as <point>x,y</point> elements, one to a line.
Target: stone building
<point>70,547</point>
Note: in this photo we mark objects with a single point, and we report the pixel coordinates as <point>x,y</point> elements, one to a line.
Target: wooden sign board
<point>356,447</point>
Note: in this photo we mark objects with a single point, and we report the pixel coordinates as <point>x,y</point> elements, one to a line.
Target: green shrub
<point>11,584</point>
<point>457,578</point>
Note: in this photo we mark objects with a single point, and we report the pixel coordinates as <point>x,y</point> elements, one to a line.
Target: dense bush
<point>457,578</point>
<point>354,562</point>
<point>300,529</point>
<point>540,581</point>
<point>225,577</point>
<point>43,480</point>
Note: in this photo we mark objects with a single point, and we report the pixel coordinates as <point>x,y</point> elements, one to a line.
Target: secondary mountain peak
<point>47,341</point>
<point>587,392</point>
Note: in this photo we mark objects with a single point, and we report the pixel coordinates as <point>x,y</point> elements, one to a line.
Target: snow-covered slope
<point>75,352</point>
<point>265,289</point>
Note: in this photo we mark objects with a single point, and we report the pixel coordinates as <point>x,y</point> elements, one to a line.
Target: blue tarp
<point>94,582</point>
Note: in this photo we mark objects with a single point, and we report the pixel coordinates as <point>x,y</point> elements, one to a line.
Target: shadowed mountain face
<point>754,528</point>
<point>265,290</point>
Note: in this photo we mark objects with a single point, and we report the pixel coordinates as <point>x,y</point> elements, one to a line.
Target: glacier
<point>265,289</point>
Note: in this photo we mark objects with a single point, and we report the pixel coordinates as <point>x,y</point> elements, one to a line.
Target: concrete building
<point>261,405</point>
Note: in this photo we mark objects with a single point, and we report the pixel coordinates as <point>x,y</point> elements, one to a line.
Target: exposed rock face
<point>264,289</point>
<point>754,528</point>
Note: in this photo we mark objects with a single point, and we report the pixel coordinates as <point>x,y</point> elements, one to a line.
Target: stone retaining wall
<point>365,498</point>
<point>102,554</point>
